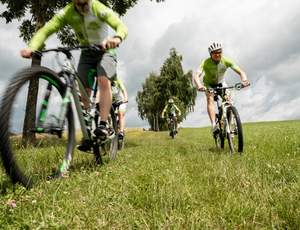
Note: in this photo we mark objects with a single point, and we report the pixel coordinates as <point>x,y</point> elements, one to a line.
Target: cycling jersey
<point>214,72</point>
<point>89,29</point>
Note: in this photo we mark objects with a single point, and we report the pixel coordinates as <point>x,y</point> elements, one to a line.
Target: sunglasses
<point>218,52</point>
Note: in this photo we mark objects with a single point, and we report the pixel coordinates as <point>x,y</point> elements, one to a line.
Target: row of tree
<point>172,82</point>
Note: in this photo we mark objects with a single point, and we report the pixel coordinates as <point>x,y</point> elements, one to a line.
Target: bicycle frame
<point>222,105</point>
<point>75,90</point>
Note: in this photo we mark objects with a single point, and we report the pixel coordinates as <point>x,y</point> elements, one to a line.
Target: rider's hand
<point>245,83</point>
<point>26,53</point>
<point>111,42</point>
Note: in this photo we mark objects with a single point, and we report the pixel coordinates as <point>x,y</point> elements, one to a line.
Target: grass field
<point>160,183</point>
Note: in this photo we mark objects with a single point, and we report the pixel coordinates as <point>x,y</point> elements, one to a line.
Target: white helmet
<point>171,101</point>
<point>215,46</point>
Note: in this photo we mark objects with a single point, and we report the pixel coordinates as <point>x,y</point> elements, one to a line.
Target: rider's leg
<point>106,71</point>
<point>122,120</point>
<point>176,124</point>
<point>103,130</point>
<point>85,100</point>
<point>105,97</point>
<point>211,109</point>
<point>121,114</point>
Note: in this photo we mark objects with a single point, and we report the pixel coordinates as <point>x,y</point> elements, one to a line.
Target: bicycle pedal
<point>51,130</point>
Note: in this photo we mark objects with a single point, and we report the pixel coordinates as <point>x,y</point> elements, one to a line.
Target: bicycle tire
<point>9,153</point>
<point>235,130</point>
<point>114,141</point>
<point>219,138</point>
<point>121,143</point>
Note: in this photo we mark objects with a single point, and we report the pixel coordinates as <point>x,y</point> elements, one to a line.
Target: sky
<point>262,37</point>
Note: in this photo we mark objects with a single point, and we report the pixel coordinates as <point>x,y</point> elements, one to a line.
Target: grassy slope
<point>161,183</point>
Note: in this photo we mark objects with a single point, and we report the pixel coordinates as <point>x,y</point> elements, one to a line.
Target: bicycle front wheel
<point>219,136</point>
<point>114,141</point>
<point>235,134</point>
<point>34,144</point>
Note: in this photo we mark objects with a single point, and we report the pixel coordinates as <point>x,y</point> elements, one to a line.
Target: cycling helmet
<point>171,101</point>
<point>215,46</point>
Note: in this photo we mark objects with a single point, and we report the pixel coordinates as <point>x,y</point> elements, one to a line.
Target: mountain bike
<point>227,120</point>
<point>59,93</point>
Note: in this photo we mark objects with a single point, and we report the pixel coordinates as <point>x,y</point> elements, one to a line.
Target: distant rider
<point>212,73</point>
<point>171,110</point>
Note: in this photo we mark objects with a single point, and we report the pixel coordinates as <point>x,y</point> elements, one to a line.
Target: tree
<point>40,12</point>
<point>157,89</point>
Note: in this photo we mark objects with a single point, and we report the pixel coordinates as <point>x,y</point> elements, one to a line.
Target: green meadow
<point>160,183</point>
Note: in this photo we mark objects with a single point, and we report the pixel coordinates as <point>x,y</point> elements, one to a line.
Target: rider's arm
<point>198,77</point>
<point>178,110</point>
<point>52,26</point>
<point>164,111</point>
<point>242,74</point>
<point>238,70</point>
<point>107,15</point>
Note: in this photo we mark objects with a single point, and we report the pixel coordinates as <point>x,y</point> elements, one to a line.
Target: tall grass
<point>160,183</point>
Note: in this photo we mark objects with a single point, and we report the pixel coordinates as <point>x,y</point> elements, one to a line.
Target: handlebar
<point>67,50</point>
<point>237,86</point>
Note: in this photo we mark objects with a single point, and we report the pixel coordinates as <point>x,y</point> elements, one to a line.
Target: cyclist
<point>90,20</point>
<point>171,109</point>
<point>212,72</point>
<point>119,94</point>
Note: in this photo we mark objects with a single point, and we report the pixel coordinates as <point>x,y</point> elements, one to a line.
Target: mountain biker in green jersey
<point>119,95</point>
<point>171,110</point>
<point>90,20</point>
<point>212,73</point>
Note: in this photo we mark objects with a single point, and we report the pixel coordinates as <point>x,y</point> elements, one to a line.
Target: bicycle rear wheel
<point>235,135</point>
<point>50,150</point>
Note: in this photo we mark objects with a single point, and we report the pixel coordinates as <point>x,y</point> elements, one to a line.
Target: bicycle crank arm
<point>51,130</point>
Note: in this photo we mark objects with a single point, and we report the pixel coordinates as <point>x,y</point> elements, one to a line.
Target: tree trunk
<point>157,121</point>
<point>30,114</point>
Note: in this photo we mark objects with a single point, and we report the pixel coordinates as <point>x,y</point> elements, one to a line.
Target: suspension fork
<point>220,113</point>
<point>226,122</point>
<point>44,106</point>
<point>64,108</point>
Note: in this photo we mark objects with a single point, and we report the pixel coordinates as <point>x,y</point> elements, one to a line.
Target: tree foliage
<point>157,89</point>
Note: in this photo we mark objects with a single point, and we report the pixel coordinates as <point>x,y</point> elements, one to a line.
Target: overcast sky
<point>263,37</point>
